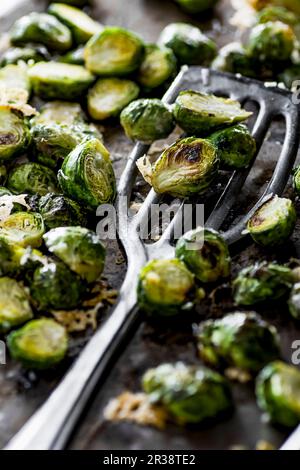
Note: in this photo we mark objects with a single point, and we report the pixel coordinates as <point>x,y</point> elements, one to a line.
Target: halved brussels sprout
<point>234,58</point>
<point>158,66</point>
<point>205,254</point>
<point>186,168</point>
<point>242,340</point>
<point>201,114</point>
<point>79,248</point>
<point>272,42</point>
<point>31,178</point>
<point>59,112</point>
<point>114,52</point>
<point>83,27</point>
<point>56,80</point>
<point>188,43</point>
<point>60,211</point>
<point>236,146</point>
<point>39,344</point>
<point>191,394</point>
<point>23,228</point>
<point>294,301</point>
<point>30,53</point>
<point>55,286</point>
<point>147,120</point>
<point>14,133</point>
<point>14,304</point>
<point>274,222</point>
<point>196,6</point>
<point>261,282</point>
<point>10,258</point>
<point>109,96</point>
<point>76,56</point>
<point>15,76</point>
<point>165,287</point>
<point>43,29</point>
<point>87,175</point>
<point>278,393</point>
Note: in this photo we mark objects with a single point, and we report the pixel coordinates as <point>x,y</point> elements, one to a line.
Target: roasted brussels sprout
<point>14,133</point>
<point>14,304</point>
<point>261,282</point>
<point>79,248</point>
<point>289,4</point>
<point>30,53</point>
<point>147,120</point>
<point>159,65</point>
<point>165,287</point>
<point>125,49</point>
<point>241,340</point>
<point>277,13</point>
<point>10,258</point>
<point>23,228</point>
<point>31,178</point>
<point>274,222</point>
<point>278,393</point>
<point>60,211</point>
<point>272,42</point>
<point>236,146</point>
<point>39,344</point>
<point>15,76</point>
<point>234,58</point>
<point>205,254</point>
<point>196,6</point>
<point>83,27</point>
<point>87,175</point>
<point>201,114</point>
<point>190,394</point>
<point>60,112</point>
<point>43,29</point>
<point>184,169</point>
<point>76,56</point>
<point>55,80</point>
<point>188,43</point>
<point>294,301</point>
<point>109,96</point>
<point>55,286</point>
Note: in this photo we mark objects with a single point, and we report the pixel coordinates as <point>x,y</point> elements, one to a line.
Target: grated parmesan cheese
<point>7,204</point>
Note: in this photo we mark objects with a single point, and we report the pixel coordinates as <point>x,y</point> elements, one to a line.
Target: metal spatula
<point>51,426</point>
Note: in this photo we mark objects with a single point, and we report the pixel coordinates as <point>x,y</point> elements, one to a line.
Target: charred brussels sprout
<point>55,80</point>
<point>165,287</point>
<point>261,282</point>
<point>26,54</point>
<point>14,133</point>
<point>82,26</point>
<point>190,394</point>
<point>125,52</point>
<point>201,114</point>
<point>188,43</point>
<point>196,6</point>
<point>294,301</point>
<point>186,168</point>
<point>14,304</point>
<point>60,211</point>
<point>205,254</point>
<point>278,393</point>
<point>39,344</point>
<point>43,29</point>
<point>87,175</point>
<point>23,228</point>
<point>234,58</point>
<point>147,120</point>
<point>79,248</point>
<point>273,223</point>
<point>31,178</point>
<point>272,42</point>
<point>236,147</point>
<point>159,65</point>
<point>55,286</point>
<point>109,96</point>
<point>241,340</point>
<point>75,57</point>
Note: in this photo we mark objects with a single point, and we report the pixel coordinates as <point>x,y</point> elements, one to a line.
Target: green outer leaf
<point>32,178</point>
<point>14,304</point>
